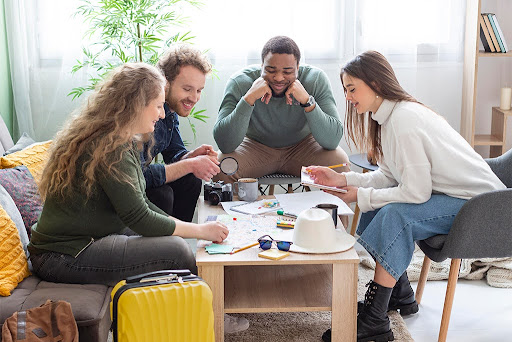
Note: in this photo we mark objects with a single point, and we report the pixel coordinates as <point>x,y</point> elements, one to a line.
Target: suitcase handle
<point>138,278</point>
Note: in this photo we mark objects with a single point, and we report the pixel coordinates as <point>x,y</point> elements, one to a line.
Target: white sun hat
<point>315,233</point>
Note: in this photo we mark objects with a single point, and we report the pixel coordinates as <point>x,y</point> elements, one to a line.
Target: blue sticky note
<point>215,248</point>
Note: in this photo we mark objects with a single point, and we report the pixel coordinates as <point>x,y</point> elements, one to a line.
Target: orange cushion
<point>34,157</point>
<point>13,261</point>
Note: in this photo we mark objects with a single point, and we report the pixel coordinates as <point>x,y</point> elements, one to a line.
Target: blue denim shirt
<point>168,142</point>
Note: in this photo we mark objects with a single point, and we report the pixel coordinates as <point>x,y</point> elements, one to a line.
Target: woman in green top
<point>94,190</point>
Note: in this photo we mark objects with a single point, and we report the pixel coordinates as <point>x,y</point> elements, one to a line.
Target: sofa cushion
<point>23,142</point>
<point>20,185</point>
<point>9,206</point>
<point>90,304</point>
<point>87,300</point>
<point>34,157</point>
<point>13,261</point>
<point>13,303</point>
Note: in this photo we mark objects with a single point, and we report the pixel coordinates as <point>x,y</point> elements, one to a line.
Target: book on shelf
<point>485,37</point>
<point>497,31</point>
<point>491,32</point>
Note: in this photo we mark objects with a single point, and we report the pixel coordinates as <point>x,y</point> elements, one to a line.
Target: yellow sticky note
<point>273,254</point>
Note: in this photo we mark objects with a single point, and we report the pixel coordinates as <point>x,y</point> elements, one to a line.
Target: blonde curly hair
<point>96,137</point>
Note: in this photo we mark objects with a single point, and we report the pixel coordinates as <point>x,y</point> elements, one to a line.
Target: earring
<point>377,96</point>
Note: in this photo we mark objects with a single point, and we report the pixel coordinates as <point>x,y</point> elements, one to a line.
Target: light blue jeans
<point>389,233</point>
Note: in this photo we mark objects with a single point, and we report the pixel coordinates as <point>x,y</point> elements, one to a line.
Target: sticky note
<point>273,254</point>
<point>215,248</point>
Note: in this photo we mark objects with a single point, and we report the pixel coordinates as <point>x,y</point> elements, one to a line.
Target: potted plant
<point>124,31</point>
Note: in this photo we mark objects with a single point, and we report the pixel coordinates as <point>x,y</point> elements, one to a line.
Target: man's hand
<point>259,90</point>
<point>204,167</point>
<point>203,150</point>
<point>299,93</point>
<point>326,176</point>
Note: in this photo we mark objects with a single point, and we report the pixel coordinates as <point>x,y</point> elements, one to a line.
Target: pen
<point>337,165</point>
<point>281,212</point>
<point>246,247</point>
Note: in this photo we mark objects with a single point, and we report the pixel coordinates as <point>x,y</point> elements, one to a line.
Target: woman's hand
<point>325,176</point>
<point>213,231</point>
<point>348,197</point>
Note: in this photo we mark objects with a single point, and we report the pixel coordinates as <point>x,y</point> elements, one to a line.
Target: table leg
<point>344,302</point>
<point>214,277</point>
<point>354,221</point>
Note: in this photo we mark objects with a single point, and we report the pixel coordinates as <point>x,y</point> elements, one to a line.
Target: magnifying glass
<point>229,166</point>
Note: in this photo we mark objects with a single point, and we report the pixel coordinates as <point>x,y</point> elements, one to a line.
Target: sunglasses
<point>266,243</point>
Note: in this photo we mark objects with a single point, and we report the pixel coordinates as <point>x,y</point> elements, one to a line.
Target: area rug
<point>307,326</point>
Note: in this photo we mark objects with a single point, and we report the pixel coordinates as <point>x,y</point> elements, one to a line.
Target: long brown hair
<point>95,138</point>
<point>372,68</point>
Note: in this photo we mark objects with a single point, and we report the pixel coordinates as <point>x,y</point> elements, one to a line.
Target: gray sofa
<point>90,303</point>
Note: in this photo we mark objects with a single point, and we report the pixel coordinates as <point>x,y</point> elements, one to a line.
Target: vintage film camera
<point>215,192</point>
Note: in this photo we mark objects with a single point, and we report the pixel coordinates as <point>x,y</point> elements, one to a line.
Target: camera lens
<point>214,197</point>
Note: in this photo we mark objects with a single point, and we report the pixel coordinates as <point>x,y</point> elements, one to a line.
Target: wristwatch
<point>311,101</point>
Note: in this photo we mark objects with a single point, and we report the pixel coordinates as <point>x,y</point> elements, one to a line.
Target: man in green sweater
<point>279,116</point>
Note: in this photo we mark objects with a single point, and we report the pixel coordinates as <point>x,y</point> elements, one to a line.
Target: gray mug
<point>332,209</point>
<point>247,189</point>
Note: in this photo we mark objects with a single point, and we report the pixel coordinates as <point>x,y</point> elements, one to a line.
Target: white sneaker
<point>233,324</point>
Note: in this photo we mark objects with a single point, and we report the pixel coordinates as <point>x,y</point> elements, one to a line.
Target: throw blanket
<point>498,272</point>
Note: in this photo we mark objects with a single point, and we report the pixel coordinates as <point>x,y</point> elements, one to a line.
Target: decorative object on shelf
<point>506,97</point>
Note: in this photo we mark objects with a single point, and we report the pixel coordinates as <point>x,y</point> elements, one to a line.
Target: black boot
<point>402,298</point>
<point>372,320</point>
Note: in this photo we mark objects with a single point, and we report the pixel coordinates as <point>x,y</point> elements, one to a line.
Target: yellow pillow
<point>13,261</point>
<point>33,157</point>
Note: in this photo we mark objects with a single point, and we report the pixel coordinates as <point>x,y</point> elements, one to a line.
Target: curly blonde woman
<point>94,191</point>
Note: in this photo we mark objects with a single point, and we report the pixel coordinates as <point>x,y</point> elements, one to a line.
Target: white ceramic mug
<point>247,189</point>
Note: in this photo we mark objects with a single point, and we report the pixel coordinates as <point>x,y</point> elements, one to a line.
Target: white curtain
<point>422,39</point>
<point>44,41</point>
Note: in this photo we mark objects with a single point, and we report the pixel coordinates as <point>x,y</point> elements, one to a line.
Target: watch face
<point>311,101</point>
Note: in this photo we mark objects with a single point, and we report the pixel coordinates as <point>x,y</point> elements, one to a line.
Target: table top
<point>361,161</point>
<point>250,255</point>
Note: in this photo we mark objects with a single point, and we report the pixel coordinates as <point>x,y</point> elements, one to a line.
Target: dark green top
<point>277,124</point>
<point>70,226</point>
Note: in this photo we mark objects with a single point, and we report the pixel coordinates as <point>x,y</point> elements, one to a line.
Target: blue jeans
<point>115,257</point>
<point>389,233</point>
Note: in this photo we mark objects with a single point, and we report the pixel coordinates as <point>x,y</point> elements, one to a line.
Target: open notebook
<point>305,179</point>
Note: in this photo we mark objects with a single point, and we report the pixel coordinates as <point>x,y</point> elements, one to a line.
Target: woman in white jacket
<point>427,171</point>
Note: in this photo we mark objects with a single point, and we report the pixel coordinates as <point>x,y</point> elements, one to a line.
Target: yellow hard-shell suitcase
<point>162,306</point>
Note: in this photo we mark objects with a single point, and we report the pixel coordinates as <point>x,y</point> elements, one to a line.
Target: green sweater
<point>277,124</point>
<point>69,227</point>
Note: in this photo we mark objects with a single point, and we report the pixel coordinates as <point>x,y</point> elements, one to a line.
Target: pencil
<point>246,247</point>
<point>337,165</point>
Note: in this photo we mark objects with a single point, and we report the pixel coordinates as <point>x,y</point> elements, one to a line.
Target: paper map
<point>245,229</point>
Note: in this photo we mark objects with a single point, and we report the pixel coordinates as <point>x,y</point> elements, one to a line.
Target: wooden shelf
<point>285,288</point>
<point>496,139</point>
<point>487,140</point>
<point>502,111</point>
<point>494,54</point>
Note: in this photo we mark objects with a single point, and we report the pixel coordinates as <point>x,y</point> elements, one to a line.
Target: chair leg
<point>423,279</point>
<point>271,190</point>
<point>354,221</point>
<point>448,300</point>
<point>290,189</point>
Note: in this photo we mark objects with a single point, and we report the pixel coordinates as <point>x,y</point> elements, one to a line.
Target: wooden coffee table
<point>246,283</point>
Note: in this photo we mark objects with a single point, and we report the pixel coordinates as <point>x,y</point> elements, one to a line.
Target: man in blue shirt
<point>175,186</point>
